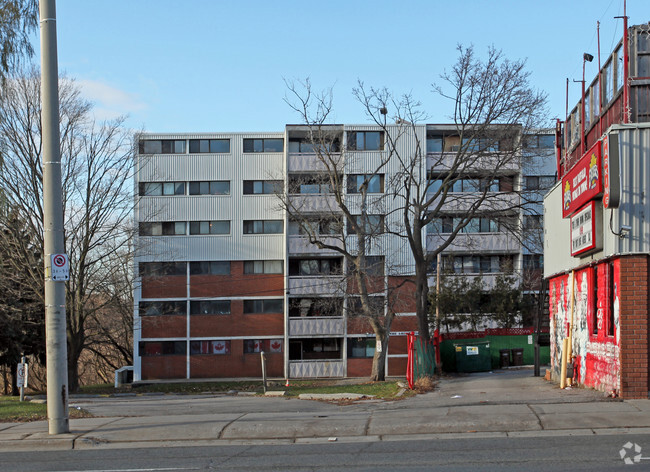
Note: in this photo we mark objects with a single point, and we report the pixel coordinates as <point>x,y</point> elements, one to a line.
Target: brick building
<point>223,272</point>
<point>597,234</point>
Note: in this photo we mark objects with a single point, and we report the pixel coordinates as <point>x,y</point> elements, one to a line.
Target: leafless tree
<point>97,163</point>
<point>493,107</point>
<point>347,218</point>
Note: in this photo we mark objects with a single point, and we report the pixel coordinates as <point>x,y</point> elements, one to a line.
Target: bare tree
<point>347,219</point>
<point>97,162</point>
<point>493,107</point>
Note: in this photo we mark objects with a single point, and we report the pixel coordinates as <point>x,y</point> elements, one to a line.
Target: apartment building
<point>224,272</point>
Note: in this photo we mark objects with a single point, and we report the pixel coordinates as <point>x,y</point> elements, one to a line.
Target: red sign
<point>583,182</point>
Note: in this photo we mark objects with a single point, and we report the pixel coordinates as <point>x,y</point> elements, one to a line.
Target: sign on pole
<point>21,377</point>
<point>60,267</point>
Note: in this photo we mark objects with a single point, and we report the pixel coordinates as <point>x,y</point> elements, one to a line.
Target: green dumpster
<point>473,355</point>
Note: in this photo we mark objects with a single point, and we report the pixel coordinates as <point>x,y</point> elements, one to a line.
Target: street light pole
<point>55,325</point>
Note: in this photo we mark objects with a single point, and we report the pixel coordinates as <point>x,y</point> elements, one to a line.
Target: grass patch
<point>384,390</point>
<point>12,410</point>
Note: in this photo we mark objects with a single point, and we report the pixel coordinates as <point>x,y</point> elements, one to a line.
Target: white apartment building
<point>224,273</point>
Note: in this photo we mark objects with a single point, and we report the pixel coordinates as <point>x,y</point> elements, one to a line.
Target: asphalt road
<point>575,453</point>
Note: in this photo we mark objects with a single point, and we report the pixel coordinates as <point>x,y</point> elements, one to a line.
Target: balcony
<point>310,161</point>
<point>461,202</point>
<point>316,369</point>
<point>443,161</point>
<point>314,203</point>
<point>476,243</point>
<point>301,245</point>
<point>316,285</point>
<point>317,325</point>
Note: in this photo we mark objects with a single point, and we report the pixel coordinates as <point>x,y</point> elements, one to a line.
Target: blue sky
<point>219,65</point>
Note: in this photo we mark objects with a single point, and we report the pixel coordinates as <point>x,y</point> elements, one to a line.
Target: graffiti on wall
<point>594,320</point>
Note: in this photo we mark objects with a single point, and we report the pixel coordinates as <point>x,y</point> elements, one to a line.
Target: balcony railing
<point>316,285</point>
<point>310,161</point>
<point>443,161</point>
<point>477,242</point>
<point>301,245</point>
<point>316,325</point>
<point>314,369</point>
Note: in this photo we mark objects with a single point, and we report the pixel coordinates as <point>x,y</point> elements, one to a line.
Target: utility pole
<point>55,325</point>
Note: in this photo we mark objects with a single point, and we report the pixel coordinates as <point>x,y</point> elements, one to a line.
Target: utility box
<point>473,356</point>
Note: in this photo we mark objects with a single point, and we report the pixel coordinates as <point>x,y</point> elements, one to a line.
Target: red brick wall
<point>236,364</point>
<point>171,286</point>
<point>237,284</point>
<point>237,323</point>
<point>360,367</point>
<point>402,294</point>
<point>164,326</point>
<point>397,366</point>
<point>634,327</point>
<point>163,367</point>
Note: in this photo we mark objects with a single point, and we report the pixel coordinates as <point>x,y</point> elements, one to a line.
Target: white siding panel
<point>186,208</point>
<point>184,167</point>
<point>196,248</point>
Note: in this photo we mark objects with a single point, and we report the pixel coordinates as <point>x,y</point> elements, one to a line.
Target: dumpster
<point>473,356</point>
<point>504,358</point>
<point>518,356</point>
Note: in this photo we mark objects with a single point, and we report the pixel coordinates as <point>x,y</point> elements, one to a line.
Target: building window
<point>434,144</point>
<point>263,306</point>
<point>252,346</point>
<point>263,187</point>
<point>160,269</point>
<point>374,183</point>
<point>374,266</point>
<point>472,264</point>
<point>533,261</point>
<point>210,268</point>
<point>155,189</point>
<point>324,306</point>
<point>213,187</point>
<point>539,141</point>
<point>325,226</point>
<point>315,349</point>
<point>209,307</point>
<point>210,227</point>
<point>307,267</point>
<point>162,146</point>
<point>539,182</point>
<point>162,348</point>
<point>212,146</point>
<point>366,140</point>
<point>263,226</point>
<point>161,308</point>
<point>369,224</point>
<point>533,222</point>
<point>264,145</point>
<point>209,347</point>
<point>310,183</point>
<point>263,267</point>
<point>361,347</point>
<point>447,224</point>
<point>168,228</point>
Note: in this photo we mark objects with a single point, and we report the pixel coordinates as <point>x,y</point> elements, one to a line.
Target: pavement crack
<point>220,435</point>
<point>367,426</point>
<point>539,420</point>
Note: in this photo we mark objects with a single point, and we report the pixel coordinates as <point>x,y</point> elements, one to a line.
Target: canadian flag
<point>219,347</point>
<point>257,347</point>
<point>276,345</point>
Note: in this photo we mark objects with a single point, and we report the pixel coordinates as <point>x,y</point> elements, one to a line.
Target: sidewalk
<point>499,404</point>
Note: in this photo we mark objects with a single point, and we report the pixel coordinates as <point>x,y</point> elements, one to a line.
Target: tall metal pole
<point>55,326</point>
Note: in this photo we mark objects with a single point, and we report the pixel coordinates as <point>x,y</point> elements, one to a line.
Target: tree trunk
<point>14,380</point>
<point>421,300</point>
<point>379,359</point>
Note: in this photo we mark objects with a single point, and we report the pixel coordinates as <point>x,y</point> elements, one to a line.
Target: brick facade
<point>634,327</point>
